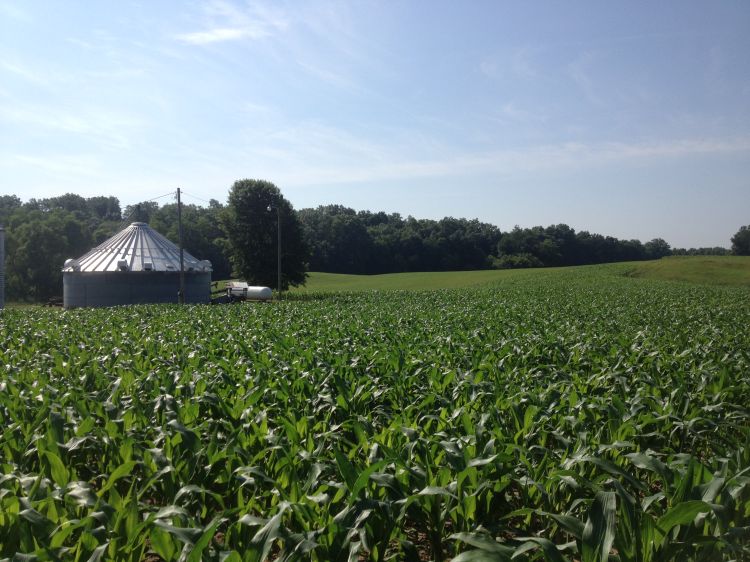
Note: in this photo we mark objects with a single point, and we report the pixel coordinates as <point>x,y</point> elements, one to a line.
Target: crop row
<point>578,417</point>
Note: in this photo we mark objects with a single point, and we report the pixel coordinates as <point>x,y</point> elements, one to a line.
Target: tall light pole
<point>278,249</point>
<point>181,292</point>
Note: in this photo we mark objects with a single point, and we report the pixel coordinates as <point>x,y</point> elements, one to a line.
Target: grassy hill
<point>705,270</point>
<point>708,270</point>
<point>334,282</point>
<point>409,281</point>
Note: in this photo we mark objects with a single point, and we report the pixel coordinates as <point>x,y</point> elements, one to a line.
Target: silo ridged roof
<point>137,245</point>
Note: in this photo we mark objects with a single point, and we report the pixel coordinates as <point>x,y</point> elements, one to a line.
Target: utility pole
<point>278,257</point>
<point>181,293</point>
<point>278,245</point>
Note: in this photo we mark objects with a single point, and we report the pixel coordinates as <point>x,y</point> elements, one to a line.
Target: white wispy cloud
<point>516,64</point>
<point>580,72</point>
<point>521,63</point>
<point>255,108</point>
<point>513,111</point>
<point>78,42</point>
<point>223,22</point>
<point>106,127</point>
<point>336,79</point>
<point>72,166</point>
<point>489,68</point>
<point>315,155</point>
<point>24,71</point>
<point>218,35</point>
<point>319,155</point>
<point>336,25</point>
<point>13,11</point>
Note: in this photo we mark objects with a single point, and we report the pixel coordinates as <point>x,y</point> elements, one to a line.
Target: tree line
<point>343,240</point>
<point>239,238</point>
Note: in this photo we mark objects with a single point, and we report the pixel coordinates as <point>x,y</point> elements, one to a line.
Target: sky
<point>629,119</point>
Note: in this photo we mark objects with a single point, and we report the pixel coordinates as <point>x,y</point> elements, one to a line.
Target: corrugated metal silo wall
<point>96,289</point>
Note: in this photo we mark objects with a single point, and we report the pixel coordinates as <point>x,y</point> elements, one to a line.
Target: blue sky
<point>624,118</point>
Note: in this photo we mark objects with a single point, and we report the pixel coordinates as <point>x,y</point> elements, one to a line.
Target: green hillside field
<point>706,270</point>
<point>703,270</point>
<point>319,281</point>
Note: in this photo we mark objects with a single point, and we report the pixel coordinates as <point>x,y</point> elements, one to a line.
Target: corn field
<point>580,416</point>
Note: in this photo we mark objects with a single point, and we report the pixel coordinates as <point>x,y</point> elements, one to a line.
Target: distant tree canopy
<point>42,233</point>
<point>741,242</point>
<point>713,251</point>
<point>239,239</point>
<point>342,240</point>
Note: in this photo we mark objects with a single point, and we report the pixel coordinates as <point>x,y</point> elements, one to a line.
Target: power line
<point>137,206</point>
<point>159,197</point>
<point>195,197</point>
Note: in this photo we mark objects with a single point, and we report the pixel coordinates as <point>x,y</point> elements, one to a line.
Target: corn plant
<point>576,416</point>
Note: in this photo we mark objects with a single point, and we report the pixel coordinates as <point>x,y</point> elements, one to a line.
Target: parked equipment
<point>241,291</point>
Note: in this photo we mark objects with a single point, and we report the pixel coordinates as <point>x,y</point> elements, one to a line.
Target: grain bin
<point>137,265</point>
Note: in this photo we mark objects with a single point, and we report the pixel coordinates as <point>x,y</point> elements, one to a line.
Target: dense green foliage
<point>573,416</point>
<point>42,234</point>
<point>343,240</point>
<point>741,241</point>
<point>254,213</point>
<point>559,245</point>
<point>712,251</point>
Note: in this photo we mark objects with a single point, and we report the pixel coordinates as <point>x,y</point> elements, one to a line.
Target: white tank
<point>241,290</point>
<point>259,293</point>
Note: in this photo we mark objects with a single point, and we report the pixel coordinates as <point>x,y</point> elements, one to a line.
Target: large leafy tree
<point>657,248</point>
<point>252,235</point>
<point>741,242</point>
<point>37,248</point>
